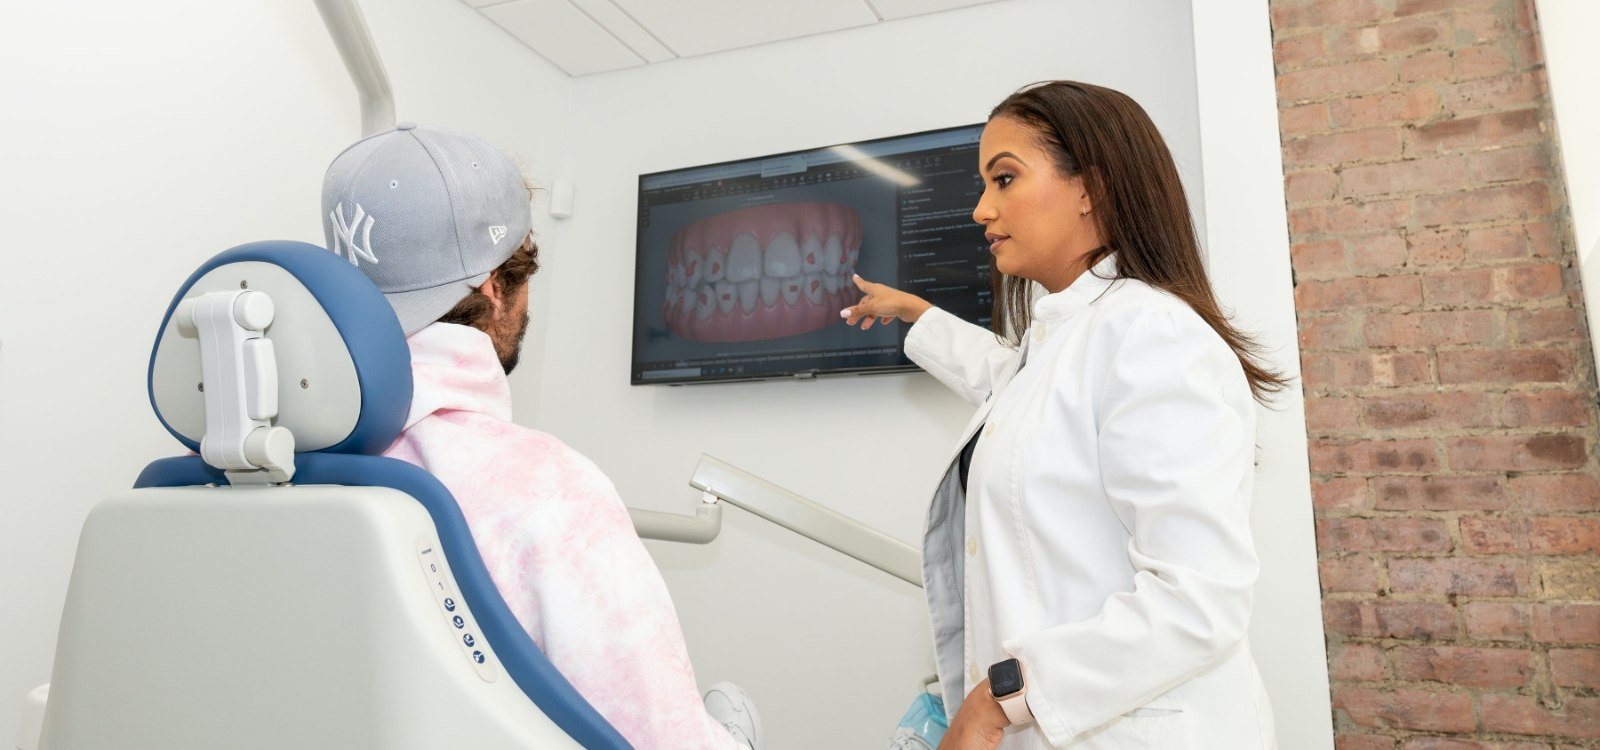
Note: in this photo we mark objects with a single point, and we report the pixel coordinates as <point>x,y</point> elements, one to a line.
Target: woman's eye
<point>1003,180</point>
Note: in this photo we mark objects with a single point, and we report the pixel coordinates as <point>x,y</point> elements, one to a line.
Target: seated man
<point>440,221</point>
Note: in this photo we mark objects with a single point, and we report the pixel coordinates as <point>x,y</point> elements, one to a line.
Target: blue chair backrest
<point>376,347</point>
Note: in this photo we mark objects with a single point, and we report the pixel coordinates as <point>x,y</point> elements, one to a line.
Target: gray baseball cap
<point>426,213</point>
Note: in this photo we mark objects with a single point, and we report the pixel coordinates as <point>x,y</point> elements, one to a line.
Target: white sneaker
<point>730,706</point>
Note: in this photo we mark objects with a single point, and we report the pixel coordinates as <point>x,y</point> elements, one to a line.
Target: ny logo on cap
<point>497,233</point>
<point>345,234</point>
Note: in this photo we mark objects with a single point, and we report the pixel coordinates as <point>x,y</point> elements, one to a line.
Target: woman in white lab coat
<point>1089,546</point>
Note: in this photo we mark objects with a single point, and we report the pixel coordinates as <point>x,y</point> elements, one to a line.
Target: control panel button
<point>478,657</point>
<point>469,640</point>
<point>449,604</point>
<point>458,622</point>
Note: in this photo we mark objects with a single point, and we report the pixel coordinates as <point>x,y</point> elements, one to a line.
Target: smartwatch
<point>1007,688</point>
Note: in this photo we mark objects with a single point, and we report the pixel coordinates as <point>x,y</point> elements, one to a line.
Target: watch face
<point>1005,678</point>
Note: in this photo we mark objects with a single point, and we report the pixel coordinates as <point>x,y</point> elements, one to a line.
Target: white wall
<point>139,139</point>
<point>1572,62</point>
<point>833,650</point>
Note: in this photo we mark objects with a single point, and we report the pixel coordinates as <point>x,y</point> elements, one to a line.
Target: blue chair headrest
<point>344,370</point>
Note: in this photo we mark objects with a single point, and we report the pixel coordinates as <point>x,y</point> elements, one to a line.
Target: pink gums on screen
<point>762,272</point>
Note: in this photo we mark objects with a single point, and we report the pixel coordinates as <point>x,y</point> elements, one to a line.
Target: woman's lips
<point>996,243</point>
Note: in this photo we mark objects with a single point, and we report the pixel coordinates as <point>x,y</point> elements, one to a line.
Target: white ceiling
<point>594,36</point>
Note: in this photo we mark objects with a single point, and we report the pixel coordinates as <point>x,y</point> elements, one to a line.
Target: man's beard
<point>508,341</point>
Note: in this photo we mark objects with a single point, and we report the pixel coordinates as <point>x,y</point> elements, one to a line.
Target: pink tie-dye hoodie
<point>558,543</point>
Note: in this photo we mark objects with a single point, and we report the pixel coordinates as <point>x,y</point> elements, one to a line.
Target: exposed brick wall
<point>1450,389</point>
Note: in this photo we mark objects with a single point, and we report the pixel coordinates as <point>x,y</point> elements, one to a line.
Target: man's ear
<point>491,288</point>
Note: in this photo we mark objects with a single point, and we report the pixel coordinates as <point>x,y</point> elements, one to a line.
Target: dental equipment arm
<point>724,482</point>
<point>360,54</point>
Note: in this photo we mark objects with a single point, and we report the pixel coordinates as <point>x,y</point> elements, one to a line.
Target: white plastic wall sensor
<point>240,379</point>
<point>561,198</point>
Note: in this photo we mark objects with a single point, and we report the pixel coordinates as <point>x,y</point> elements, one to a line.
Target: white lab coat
<point>1104,537</point>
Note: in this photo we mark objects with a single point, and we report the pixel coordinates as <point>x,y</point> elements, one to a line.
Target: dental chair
<point>288,587</point>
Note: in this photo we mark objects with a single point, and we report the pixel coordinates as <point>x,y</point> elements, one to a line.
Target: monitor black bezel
<point>798,374</point>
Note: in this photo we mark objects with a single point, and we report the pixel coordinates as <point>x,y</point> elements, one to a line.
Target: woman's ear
<point>491,288</point>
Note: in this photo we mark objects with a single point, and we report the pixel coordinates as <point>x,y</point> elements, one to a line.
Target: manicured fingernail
<point>844,313</point>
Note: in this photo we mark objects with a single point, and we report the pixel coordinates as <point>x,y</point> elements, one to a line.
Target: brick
<point>1382,535</point>
<point>1347,741</point>
<point>1351,43</point>
<point>1564,324</point>
<point>1428,66</point>
<point>1359,662</point>
<point>1409,176</point>
<point>1471,667</point>
<point>1435,247</point>
<point>1349,575</point>
<point>1485,60</point>
<point>1489,536</point>
<point>1419,710</point>
<point>1418,329</point>
<point>1361,218</point>
<point>1303,120</point>
<point>1339,79</point>
<point>1556,492</point>
<point>1448,743</point>
<point>1358,369</point>
<point>1575,667</point>
<point>1373,456</point>
<point>1460,576</point>
<point>1493,286</point>
<point>1571,578</point>
<point>1389,108</point>
<point>1336,331</point>
<point>1385,251</point>
<point>1578,717</point>
<point>1318,258</point>
<point>1486,25</point>
<point>1539,535</point>
<point>1360,291</point>
<point>1507,366</point>
<point>1297,50</point>
<point>1496,621</point>
<point>1341,148</point>
<point>1516,452</point>
<point>1439,493</point>
<point>1404,8</point>
<point>1414,34</point>
<point>1428,410</point>
<point>1338,492</point>
<point>1510,164</point>
<point>1498,93</point>
<point>1517,201</point>
<point>1567,623</point>
<point>1545,409</point>
<point>1310,187</point>
<point>1325,13</point>
<point>1326,415</point>
<point>1512,242</point>
<point>1492,129</point>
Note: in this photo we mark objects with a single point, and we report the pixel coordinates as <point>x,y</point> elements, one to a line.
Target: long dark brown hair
<point>1139,206</point>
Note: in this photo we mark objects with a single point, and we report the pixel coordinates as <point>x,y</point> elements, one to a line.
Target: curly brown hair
<point>475,309</point>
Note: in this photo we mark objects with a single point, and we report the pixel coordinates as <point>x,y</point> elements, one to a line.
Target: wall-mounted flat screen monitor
<point>742,267</point>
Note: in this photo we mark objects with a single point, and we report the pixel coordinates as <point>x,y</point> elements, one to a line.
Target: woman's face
<point>1039,224</point>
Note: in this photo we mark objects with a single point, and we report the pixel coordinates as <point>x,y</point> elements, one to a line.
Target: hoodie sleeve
<point>582,581</point>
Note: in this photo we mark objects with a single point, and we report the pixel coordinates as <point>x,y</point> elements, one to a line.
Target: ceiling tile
<point>892,9</point>
<point>563,35</point>
<point>620,24</point>
<point>696,27</point>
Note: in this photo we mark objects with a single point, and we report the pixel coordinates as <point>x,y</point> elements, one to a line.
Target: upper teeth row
<point>724,294</point>
<point>784,257</point>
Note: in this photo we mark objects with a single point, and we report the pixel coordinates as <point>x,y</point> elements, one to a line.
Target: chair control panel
<point>462,627</point>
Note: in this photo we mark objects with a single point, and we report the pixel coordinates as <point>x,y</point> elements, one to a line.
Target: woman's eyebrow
<point>1001,155</point>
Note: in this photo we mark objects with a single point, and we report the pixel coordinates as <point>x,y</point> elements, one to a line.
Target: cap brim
<point>419,308</point>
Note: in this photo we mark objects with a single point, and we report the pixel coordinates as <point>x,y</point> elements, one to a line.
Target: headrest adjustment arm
<point>240,381</point>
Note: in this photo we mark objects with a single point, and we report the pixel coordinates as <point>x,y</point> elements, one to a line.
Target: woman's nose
<point>983,214</point>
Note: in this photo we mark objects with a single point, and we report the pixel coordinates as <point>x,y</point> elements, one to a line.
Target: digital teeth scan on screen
<point>743,267</point>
